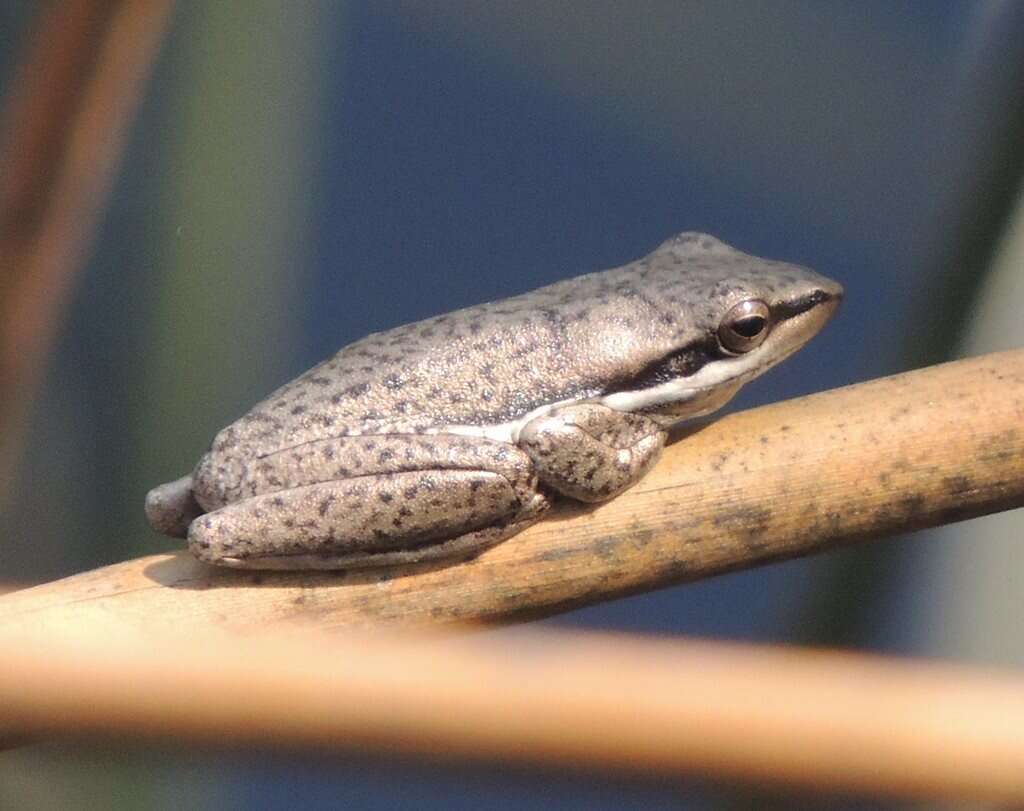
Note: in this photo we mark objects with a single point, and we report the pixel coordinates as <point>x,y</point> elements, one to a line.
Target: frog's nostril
<point>217,480</point>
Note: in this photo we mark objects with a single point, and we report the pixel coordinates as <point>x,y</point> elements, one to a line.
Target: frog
<point>434,441</point>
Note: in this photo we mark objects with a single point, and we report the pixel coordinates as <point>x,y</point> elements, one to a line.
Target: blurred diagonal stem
<point>64,125</point>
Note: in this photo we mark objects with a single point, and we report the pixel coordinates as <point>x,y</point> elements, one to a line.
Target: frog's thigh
<point>591,452</point>
<point>373,520</point>
<point>357,457</point>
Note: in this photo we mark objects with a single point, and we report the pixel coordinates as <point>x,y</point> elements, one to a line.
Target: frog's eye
<point>745,326</point>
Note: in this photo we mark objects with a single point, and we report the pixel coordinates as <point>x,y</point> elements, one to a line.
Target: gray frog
<point>441,438</point>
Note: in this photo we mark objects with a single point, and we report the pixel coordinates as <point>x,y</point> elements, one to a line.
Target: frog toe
<point>172,506</point>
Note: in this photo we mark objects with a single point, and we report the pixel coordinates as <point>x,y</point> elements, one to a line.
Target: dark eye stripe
<point>685,362</point>
<point>788,309</point>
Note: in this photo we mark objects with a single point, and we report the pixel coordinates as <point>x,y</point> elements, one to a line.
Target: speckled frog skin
<point>440,438</point>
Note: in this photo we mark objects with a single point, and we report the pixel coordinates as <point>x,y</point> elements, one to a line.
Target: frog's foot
<point>591,452</point>
<point>414,499</point>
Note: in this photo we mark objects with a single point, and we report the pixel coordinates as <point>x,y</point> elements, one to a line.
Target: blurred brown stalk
<point>827,721</point>
<point>65,121</point>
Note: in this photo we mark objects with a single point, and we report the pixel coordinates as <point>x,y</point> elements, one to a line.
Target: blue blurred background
<point>303,174</point>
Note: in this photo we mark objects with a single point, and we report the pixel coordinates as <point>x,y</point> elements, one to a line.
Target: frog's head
<point>732,317</point>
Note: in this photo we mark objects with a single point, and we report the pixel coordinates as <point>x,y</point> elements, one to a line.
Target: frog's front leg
<point>371,501</point>
<point>591,452</point>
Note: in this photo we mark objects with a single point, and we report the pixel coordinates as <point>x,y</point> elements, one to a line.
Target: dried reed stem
<point>919,449</point>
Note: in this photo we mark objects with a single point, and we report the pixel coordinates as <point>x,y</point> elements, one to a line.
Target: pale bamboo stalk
<point>824,720</point>
<point>918,449</point>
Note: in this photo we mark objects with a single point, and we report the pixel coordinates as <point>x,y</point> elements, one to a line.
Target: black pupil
<point>749,326</point>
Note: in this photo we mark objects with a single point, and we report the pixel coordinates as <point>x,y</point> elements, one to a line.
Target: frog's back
<point>493,363</point>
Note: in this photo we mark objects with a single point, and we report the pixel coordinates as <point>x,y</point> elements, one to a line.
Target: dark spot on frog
<point>386,497</point>
<point>357,390</point>
<point>325,505</point>
<point>299,409</point>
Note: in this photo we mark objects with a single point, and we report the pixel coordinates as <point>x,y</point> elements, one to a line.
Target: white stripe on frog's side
<point>503,431</point>
<point>729,375</point>
<point>713,375</point>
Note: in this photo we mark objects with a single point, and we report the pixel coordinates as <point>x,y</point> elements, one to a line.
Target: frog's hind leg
<point>451,503</point>
<point>331,556</point>
<point>591,452</point>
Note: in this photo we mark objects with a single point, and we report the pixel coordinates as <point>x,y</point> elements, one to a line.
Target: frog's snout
<point>171,507</point>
